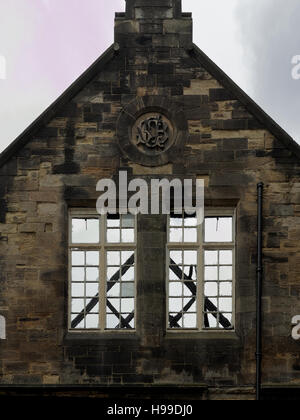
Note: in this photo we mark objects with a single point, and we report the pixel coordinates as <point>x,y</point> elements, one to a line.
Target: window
<point>200,280</point>
<point>2,328</point>
<point>102,271</point>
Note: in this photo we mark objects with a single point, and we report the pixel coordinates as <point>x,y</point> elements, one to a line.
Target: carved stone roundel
<point>152,133</point>
<point>152,130</point>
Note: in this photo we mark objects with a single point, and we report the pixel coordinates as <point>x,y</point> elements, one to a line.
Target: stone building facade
<point>215,133</point>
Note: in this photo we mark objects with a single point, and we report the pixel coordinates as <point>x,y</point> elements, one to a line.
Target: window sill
<point>203,335</point>
<point>95,337</point>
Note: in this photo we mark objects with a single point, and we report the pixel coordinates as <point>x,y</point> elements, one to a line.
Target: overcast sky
<point>46,44</point>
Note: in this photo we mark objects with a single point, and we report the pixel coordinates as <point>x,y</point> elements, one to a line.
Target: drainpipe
<point>260,188</point>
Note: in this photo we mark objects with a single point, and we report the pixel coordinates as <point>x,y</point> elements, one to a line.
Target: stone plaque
<point>152,133</point>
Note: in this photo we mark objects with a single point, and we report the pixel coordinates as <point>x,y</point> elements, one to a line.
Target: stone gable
<point>152,64</point>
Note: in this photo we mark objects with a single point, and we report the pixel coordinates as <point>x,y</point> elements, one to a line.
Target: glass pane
<point>127,289</point>
<point>211,273</point>
<point>226,289</point>
<point>125,256</point>
<point>114,291</point>
<point>190,235</point>
<point>127,235</point>
<point>211,289</point>
<point>176,221</point>
<point>113,222</point>
<point>77,274</point>
<point>77,258</point>
<point>127,305</point>
<point>91,321</point>
<point>116,305</point>
<point>85,231</point>
<point>190,257</point>
<point>225,304</point>
<point>80,325</point>
<point>189,320</point>
<point>128,221</point>
<point>190,272</point>
<point>113,236</point>
<point>92,258</point>
<point>212,321</point>
<point>77,289</point>
<point>211,257</point>
<point>176,256</point>
<point>190,221</point>
<point>218,229</point>
<point>179,322</point>
<point>228,317</point>
<point>92,289</point>
<point>175,289</point>
<point>175,305</point>
<point>173,276</point>
<point>113,258</point>
<point>192,307</point>
<point>225,273</point>
<point>95,309</point>
<point>111,321</point>
<point>92,274</point>
<point>77,305</point>
<point>225,257</point>
<point>112,272</point>
<point>176,235</point>
<point>191,290</point>
<point>129,275</point>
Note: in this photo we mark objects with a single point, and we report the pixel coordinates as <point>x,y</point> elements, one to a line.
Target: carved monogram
<point>153,132</point>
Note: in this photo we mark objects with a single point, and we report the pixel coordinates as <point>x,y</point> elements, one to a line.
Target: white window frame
<point>201,247</point>
<point>103,246</point>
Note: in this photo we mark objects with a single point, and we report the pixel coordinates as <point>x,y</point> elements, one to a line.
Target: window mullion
<point>102,273</point>
<point>200,278</point>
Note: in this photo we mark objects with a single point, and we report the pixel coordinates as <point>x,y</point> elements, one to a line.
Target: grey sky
<point>252,41</point>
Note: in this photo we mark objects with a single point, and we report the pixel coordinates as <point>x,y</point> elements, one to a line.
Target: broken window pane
<point>218,229</point>
<point>85,231</point>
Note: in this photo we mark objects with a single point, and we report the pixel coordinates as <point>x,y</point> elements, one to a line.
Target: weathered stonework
<point>222,139</point>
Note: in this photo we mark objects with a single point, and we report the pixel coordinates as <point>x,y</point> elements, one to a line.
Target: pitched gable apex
<point>233,91</point>
<point>52,110</point>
